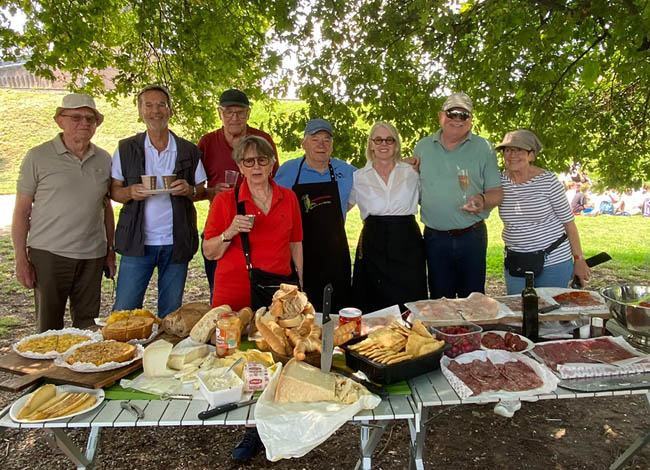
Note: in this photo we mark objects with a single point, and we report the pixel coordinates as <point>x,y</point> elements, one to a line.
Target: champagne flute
<point>463,182</point>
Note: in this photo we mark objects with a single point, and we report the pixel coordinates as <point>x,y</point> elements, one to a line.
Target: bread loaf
<point>181,322</point>
<point>134,327</point>
<point>204,328</point>
<point>301,382</point>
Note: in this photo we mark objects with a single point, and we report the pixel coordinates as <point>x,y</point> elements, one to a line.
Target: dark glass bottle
<point>530,303</point>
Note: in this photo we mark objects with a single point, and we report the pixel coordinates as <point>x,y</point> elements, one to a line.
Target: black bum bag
<point>517,263</point>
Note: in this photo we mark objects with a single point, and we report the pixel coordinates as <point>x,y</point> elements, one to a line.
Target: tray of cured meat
<point>475,308</point>
<point>593,357</point>
<point>513,303</point>
<point>574,299</point>
<point>492,375</point>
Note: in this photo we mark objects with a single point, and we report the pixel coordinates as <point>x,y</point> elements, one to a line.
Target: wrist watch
<point>224,239</point>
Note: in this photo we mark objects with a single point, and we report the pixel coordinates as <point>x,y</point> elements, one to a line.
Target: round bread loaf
<point>131,328</point>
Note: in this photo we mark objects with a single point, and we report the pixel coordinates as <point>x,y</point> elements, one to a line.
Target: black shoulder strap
<point>556,243</point>
<point>245,242</point>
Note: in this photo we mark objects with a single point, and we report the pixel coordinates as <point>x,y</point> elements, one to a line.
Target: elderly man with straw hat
<point>63,223</point>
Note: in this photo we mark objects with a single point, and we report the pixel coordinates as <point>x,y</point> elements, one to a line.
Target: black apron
<point>326,255</point>
<point>390,264</point>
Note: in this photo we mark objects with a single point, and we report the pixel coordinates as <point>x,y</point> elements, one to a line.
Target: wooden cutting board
<point>30,371</point>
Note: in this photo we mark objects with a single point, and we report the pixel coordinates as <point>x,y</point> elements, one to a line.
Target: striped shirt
<point>534,214</point>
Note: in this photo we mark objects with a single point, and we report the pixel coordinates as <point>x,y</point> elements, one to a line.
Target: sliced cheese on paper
<point>185,355</point>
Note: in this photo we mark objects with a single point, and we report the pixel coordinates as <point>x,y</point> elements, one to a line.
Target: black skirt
<point>390,263</point>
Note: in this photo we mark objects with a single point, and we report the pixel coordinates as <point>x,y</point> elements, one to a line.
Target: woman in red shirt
<point>275,235</point>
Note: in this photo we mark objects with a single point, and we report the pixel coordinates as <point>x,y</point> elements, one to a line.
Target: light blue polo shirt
<point>343,174</point>
<point>441,193</point>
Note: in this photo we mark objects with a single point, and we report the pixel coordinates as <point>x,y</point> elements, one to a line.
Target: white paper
<point>293,429</point>
<point>552,291</point>
<point>94,336</point>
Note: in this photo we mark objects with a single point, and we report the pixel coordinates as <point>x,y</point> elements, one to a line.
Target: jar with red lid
<point>351,314</point>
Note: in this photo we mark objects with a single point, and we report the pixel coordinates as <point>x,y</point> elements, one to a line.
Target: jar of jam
<point>350,314</point>
<point>227,333</point>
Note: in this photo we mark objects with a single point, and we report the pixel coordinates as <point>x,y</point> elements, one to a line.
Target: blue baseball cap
<point>317,125</point>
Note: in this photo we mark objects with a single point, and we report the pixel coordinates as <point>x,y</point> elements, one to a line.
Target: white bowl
<point>222,396</point>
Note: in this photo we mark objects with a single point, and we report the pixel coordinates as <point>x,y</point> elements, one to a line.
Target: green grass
<point>6,323</point>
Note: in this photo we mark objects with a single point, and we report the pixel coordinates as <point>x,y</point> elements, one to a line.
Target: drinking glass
<point>231,177</point>
<point>463,182</point>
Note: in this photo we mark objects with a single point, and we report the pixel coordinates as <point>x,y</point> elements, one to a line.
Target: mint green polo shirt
<point>441,193</point>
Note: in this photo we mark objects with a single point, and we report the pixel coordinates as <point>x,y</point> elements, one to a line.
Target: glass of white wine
<point>463,182</point>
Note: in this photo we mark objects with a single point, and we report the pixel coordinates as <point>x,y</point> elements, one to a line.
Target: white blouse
<point>374,197</point>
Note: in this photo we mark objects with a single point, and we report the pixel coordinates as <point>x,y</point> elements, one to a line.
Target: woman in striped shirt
<point>536,214</point>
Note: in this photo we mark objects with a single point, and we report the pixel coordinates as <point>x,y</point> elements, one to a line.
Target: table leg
<point>418,433</point>
<point>634,448</point>
<point>57,438</point>
<point>370,436</point>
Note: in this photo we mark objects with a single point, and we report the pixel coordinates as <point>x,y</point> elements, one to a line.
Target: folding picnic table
<point>185,413</point>
<point>433,389</point>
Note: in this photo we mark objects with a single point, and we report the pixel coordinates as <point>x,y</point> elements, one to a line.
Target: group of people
<point>585,200</point>
<point>279,223</point>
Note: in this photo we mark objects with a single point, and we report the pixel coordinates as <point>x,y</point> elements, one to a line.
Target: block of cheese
<point>154,361</point>
<point>204,328</point>
<point>184,355</point>
<point>301,382</point>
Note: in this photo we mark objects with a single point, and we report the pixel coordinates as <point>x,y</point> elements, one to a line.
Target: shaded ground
<point>554,434</point>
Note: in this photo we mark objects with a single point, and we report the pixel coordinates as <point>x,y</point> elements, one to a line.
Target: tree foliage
<point>576,72</point>
<point>197,48</point>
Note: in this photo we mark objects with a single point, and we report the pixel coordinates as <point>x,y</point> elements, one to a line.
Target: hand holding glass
<point>463,182</point>
<point>231,177</point>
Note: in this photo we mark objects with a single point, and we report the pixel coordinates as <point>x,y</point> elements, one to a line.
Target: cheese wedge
<point>154,360</point>
<point>182,356</point>
<point>301,382</point>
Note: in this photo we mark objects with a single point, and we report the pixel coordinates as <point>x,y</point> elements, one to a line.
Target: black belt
<point>394,219</point>
<point>459,231</point>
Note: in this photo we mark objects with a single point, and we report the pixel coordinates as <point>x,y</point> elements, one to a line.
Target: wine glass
<point>463,182</point>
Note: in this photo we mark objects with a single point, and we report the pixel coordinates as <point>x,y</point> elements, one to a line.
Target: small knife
<point>549,308</point>
<point>372,388</point>
<point>223,408</point>
<point>591,262</point>
<point>327,334</point>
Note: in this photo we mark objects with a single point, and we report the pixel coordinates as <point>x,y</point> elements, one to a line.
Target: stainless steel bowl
<point>633,317</point>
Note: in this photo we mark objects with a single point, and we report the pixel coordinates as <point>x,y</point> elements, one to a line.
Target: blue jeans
<point>557,275</point>
<point>135,274</point>
<point>456,263</point>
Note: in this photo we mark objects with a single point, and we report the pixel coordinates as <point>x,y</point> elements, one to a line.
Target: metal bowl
<point>633,317</point>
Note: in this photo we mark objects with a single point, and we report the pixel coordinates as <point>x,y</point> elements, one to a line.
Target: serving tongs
<point>131,408</point>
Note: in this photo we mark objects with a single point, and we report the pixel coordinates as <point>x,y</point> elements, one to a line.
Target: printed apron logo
<point>313,204</point>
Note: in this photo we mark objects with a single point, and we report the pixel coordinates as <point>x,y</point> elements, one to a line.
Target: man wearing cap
<point>62,203</point>
<point>217,147</point>
<point>156,229</point>
<point>322,185</point>
<point>455,234</point>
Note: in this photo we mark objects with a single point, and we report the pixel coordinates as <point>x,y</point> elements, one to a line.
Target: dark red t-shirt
<point>217,154</point>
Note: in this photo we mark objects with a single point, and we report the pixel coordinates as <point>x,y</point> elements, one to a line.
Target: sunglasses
<point>81,117</point>
<point>250,162</point>
<point>454,113</point>
<point>387,140</point>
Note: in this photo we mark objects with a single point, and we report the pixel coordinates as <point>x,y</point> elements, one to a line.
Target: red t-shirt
<point>269,241</point>
<point>217,154</point>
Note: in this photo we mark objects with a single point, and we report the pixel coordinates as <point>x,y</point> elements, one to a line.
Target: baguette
<point>204,328</point>
<point>273,334</point>
<point>41,396</point>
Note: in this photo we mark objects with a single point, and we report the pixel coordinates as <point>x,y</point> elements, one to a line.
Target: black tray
<point>387,374</point>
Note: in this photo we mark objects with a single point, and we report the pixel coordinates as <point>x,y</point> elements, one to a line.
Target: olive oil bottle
<point>530,304</point>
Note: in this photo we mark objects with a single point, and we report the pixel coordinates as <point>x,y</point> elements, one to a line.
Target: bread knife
<point>223,408</point>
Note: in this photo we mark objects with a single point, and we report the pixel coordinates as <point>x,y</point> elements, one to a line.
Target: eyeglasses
<point>454,113</point>
<point>161,105</point>
<point>387,140</point>
<point>90,119</point>
<point>250,162</point>
<point>514,150</point>
<point>229,113</point>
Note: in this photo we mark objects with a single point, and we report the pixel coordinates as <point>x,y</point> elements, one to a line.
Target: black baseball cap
<point>234,97</point>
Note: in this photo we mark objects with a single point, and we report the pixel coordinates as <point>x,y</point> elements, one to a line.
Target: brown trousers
<point>59,278</point>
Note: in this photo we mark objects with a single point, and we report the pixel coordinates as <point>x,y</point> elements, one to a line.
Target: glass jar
<point>227,333</point>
